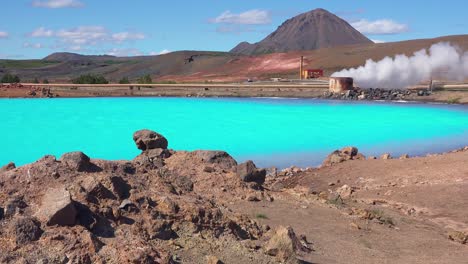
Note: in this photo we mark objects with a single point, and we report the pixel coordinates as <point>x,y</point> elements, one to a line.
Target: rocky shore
<point>376,94</point>
<point>167,206</point>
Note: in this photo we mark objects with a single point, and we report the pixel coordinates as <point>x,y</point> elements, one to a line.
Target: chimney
<point>301,68</point>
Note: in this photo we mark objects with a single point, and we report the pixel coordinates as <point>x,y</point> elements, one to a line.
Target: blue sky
<point>36,28</point>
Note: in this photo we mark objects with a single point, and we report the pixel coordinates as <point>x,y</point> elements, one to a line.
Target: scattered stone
<point>405,156</point>
<point>213,260</point>
<point>253,198</point>
<point>146,139</point>
<point>248,172</point>
<point>284,244</point>
<point>25,230</point>
<point>371,158</point>
<point>57,208</point>
<point>355,226</point>
<point>77,161</point>
<point>386,156</point>
<point>126,204</point>
<point>120,187</point>
<point>272,172</point>
<point>344,191</point>
<point>458,236</point>
<point>208,169</point>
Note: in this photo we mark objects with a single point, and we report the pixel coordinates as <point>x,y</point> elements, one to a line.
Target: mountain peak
<point>315,29</point>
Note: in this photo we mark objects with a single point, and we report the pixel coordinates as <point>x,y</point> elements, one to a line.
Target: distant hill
<point>67,56</point>
<point>308,31</point>
<point>213,66</point>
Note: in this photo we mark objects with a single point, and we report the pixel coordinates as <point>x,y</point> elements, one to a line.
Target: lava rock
<point>77,161</point>
<point>2,213</point>
<point>284,244</point>
<point>248,172</point>
<point>338,156</point>
<point>146,139</point>
<point>8,167</point>
<point>57,208</point>
<point>26,230</point>
<point>222,158</point>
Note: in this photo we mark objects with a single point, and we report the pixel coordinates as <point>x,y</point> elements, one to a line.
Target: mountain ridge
<point>311,30</point>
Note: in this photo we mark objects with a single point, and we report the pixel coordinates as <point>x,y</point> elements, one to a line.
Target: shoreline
<point>300,90</point>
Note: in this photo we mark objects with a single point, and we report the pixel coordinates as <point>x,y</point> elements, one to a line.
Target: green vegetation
<point>45,81</point>
<point>261,216</point>
<point>25,64</point>
<point>124,80</point>
<point>145,79</point>
<point>167,82</point>
<point>455,100</point>
<point>9,78</point>
<point>35,80</point>
<point>90,79</point>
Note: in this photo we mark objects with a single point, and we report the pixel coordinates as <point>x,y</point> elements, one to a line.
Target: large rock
<point>222,158</point>
<point>248,172</point>
<point>146,139</point>
<point>57,208</point>
<point>284,244</point>
<point>76,161</point>
<point>338,156</point>
<point>8,167</point>
<point>25,230</point>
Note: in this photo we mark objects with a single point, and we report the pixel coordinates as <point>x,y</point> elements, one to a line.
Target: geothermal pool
<point>272,132</point>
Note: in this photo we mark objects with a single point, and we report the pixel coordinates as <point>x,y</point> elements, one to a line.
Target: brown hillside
<point>308,31</point>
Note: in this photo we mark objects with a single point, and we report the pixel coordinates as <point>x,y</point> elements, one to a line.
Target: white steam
<point>442,60</point>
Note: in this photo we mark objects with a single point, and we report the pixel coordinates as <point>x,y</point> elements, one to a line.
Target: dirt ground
<point>420,200</point>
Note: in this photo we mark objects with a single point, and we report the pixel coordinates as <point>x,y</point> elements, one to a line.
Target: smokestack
<point>301,69</point>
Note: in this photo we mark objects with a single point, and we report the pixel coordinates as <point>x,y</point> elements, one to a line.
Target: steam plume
<point>442,60</point>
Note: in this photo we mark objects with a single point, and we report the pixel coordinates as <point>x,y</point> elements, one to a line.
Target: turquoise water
<point>279,132</point>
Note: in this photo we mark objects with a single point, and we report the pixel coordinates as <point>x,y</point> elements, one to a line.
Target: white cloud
<point>162,52</point>
<point>378,41</point>
<point>379,27</point>
<point>57,3</point>
<point>83,35</point>
<point>33,45</point>
<point>4,34</point>
<point>41,32</point>
<point>124,36</point>
<point>251,17</point>
<point>79,38</point>
<point>124,52</point>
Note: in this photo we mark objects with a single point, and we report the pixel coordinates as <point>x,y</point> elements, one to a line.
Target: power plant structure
<point>308,73</point>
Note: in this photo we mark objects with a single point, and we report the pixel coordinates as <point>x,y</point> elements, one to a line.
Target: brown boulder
<point>248,172</point>
<point>146,139</point>
<point>338,156</point>
<point>284,244</point>
<point>25,230</point>
<point>57,208</point>
<point>386,156</point>
<point>222,158</point>
<point>77,161</point>
<point>8,167</point>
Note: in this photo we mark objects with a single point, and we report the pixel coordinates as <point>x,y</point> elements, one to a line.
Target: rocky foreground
<point>203,207</point>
